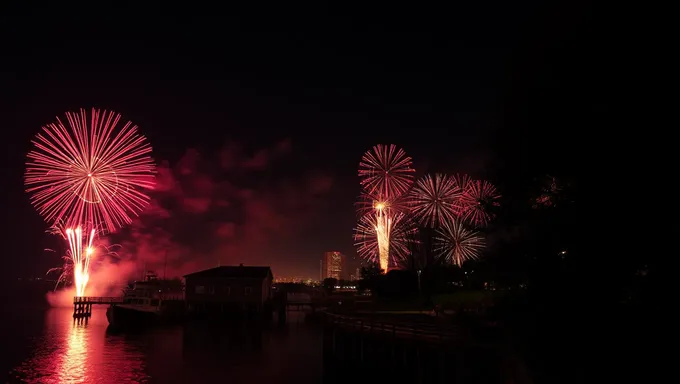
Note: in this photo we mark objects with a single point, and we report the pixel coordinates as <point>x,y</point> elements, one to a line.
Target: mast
<point>165,264</point>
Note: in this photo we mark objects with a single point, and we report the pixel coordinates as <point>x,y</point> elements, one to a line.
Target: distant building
<point>229,288</point>
<point>333,265</point>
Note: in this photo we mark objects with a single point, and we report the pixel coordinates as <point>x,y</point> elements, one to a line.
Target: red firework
<point>478,200</point>
<point>398,231</point>
<point>386,171</point>
<point>435,200</point>
<point>550,194</point>
<point>89,172</point>
<point>463,181</point>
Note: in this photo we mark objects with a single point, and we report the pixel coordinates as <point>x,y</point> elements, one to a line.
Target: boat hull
<point>124,317</point>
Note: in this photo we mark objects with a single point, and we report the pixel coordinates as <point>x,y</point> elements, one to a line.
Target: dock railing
<point>431,332</point>
<point>97,300</point>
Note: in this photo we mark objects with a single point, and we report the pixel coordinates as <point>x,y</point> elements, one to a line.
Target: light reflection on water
<point>71,351</point>
<point>80,351</point>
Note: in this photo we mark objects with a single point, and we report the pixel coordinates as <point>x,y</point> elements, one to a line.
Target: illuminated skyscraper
<point>333,265</point>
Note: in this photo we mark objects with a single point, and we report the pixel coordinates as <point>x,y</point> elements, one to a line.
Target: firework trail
<point>478,199</point>
<point>377,236</point>
<point>88,174</point>
<point>383,231</point>
<point>435,200</point>
<point>81,249</point>
<point>386,171</point>
<point>456,244</point>
<point>78,258</point>
<point>375,220</point>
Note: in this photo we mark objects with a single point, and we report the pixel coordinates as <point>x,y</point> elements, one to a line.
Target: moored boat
<point>148,302</point>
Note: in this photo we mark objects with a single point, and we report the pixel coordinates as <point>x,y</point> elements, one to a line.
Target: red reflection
<point>80,351</point>
<point>75,359</point>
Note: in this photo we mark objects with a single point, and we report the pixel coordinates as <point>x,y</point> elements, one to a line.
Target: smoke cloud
<point>105,280</point>
<point>234,206</point>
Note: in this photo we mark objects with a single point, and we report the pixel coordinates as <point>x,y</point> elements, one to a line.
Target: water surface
<point>48,346</point>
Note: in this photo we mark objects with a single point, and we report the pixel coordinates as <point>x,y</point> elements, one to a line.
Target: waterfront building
<point>333,266</point>
<point>229,288</point>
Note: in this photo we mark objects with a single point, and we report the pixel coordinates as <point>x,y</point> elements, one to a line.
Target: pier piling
<point>82,305</point>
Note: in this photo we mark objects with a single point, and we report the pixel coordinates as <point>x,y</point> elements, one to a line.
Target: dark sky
<point>501,92</point>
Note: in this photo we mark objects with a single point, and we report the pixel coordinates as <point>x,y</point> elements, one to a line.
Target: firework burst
<point>88,174</point>
<point>384,239</point>
<point>435,200</point>
<point>456,244</point>
<point>478,200</point>
<point>386,171</point>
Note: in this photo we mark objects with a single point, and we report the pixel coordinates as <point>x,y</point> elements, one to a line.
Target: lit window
<point>200,289</point>
<point>248,291</point>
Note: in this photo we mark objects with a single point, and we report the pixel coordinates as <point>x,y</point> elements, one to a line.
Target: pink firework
<point>386,171</point>
<point>478,200</point>
<point>89,172</point>
<point>89,176</point>
<point>435,200</point>
<point>457,244</point>
<point>384,239</point>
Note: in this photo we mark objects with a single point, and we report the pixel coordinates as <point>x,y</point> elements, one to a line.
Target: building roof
<point>234,271</point>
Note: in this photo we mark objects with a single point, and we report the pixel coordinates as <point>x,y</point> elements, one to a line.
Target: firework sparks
<point>82,250</point>
<point>435,200</point>
<point>381,212</point>
<point>74,261</point>
<point>478,199</point>
<point>456,244</point>
<point>551,193</point>
<point>367,204</point>
<point>66,271</point>
<point>462,181</point>
<point>386,171</point>
<point>88,174</point>
<point>384,238</point>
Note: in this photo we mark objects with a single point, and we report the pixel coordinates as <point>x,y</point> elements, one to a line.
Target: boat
<point>149,302</point>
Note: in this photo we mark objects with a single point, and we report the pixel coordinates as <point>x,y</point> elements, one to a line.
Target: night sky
<point>258,118</point>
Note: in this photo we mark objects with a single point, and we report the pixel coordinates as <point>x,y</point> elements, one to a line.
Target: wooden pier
<point>82,305</point>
